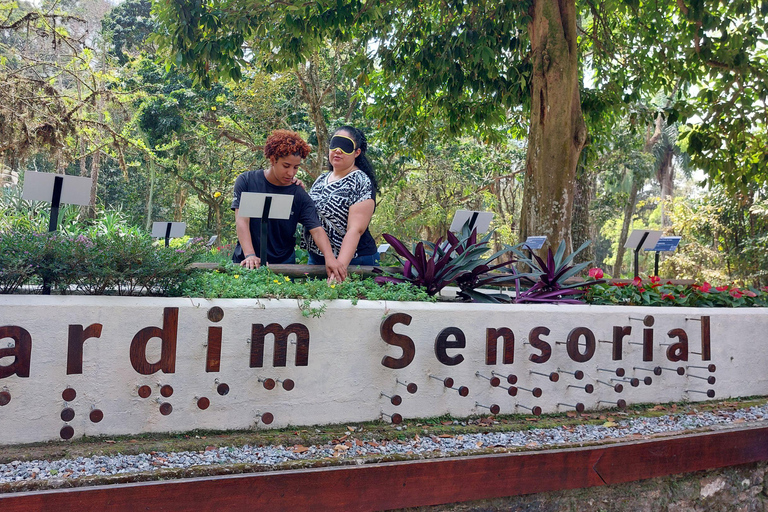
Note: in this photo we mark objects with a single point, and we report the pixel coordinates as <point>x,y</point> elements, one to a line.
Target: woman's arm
<point>335,270</point>
<point>359,217</point>
<point>243,229</point>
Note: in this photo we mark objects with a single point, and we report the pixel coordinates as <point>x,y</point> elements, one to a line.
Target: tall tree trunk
<point>312,92</point>
<point>666,176</point>
<point>629,212</point>
<point>90,211</point>
<point>151,193</point>
<point>582,229</point>
<point>557,130</point>
<point>181,200</point>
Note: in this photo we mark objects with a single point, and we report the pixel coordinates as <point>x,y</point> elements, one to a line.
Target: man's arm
<point>333,267</point>
<point>243,229</point>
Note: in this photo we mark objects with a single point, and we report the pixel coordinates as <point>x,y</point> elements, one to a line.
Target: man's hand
<point>251,262</point>
<point>335,269</point>
<point>297,181</point>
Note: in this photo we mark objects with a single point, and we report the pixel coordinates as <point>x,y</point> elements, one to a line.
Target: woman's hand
<point>251,261</point>
<point>335,269</point>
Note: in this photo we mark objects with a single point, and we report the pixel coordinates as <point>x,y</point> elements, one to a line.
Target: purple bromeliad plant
<point>460,261</point>
<point>550,285</point>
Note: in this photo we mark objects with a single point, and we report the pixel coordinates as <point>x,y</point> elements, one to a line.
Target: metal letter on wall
<point>491,345</point>
<point>678,351</point>
<point>398,340</point>
<point>572,345</point>
<point>535,340</point>
<point>21,351</point>
<point>280,334</point>
<point>167,335</point>
<point>77,337</point>
<point>442,343</point>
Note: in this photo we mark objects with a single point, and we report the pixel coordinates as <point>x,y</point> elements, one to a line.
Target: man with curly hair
<point>285,151</point>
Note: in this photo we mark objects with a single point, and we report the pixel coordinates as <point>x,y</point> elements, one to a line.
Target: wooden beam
<point>414,483</point>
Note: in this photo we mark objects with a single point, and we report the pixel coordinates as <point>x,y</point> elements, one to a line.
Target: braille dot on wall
<point>267,418</point>
<point>166,408</point>
<point>67,414</point>
<point>288,384</point>
<point>222,389</point>
<point>215,314</point>
<point>166,391</point>
<point>145,391</point>
<point>67,432</point>
<point>96,415</point>
<point>5,398</point>
<point>203,403</point>
<point>69,394</point>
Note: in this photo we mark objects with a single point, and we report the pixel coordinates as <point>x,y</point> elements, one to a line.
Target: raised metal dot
<point>69,394</point>
<point>67,414</point>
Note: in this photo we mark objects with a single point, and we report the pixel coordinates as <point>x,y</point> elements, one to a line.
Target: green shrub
<point>106,262</point>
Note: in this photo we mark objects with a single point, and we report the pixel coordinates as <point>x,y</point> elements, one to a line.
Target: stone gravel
<point>359,449</point>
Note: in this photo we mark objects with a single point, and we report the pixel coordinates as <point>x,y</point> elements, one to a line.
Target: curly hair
<point>282,143</point>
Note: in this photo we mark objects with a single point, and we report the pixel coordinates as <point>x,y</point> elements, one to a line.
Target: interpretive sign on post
<point>642,239</point>
<point>265,207</point>
<point>665,244</point>
<point>56,189</point>
<point>168,230</point>
<point>535,242</point>
<point>476,219</point>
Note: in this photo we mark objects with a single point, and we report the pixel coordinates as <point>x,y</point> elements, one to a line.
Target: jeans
<point>369,260</point>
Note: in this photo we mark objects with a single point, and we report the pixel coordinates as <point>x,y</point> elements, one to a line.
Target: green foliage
<point>234,281</point>
<point>101,263</point>
<point>725,239</point>
<point>656,293</point>
<point>16,249</point>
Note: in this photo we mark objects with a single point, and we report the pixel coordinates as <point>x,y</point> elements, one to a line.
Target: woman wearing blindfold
<point>346,198</point>
<point>285,151</point>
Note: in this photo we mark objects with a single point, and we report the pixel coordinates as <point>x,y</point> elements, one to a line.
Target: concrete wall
<point>344,373</point>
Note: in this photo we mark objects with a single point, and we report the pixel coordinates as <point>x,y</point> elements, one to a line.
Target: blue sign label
<point>667,243</point>
<point>535,242</point>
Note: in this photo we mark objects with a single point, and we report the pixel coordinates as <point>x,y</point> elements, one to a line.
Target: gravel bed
<point>429,445</point>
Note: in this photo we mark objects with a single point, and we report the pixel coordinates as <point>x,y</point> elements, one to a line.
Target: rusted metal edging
<point>414,483</point>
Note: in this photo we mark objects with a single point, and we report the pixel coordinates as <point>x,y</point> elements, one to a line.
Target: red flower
<point>655,279</point>
<point>667,296</point>
<point>637,281</point>
<point>641,289</point>
<point>750,293</point>
<point>704,288</point>
<point>736,293</point>
<point>682,296</point>
<point>722,288</point>
<point>595,272</point>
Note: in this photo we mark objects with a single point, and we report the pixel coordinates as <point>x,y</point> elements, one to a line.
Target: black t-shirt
<point>281,233</point>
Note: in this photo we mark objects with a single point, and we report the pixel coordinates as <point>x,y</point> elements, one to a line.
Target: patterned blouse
<point>333,201</point>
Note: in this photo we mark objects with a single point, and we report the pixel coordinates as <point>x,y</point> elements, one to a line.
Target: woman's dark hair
<point>361,161</point>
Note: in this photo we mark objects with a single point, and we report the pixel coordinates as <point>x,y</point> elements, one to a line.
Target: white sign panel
<point>38,186</point>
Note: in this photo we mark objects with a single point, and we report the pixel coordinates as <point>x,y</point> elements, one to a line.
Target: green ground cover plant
<point>233,281</point>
